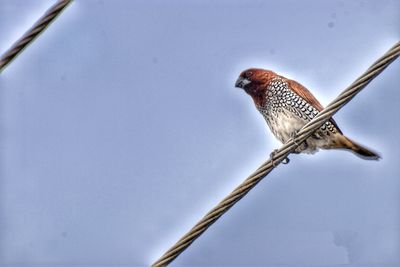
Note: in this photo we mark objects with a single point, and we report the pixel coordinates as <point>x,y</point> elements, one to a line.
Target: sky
<point>120,127</point>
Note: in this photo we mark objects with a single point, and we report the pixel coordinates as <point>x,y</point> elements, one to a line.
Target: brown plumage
<point>287,106</point>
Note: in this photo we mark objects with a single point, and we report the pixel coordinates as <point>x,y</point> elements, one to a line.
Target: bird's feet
<point>272,156</point>
<point>286,160</point>
<point>293,136</point>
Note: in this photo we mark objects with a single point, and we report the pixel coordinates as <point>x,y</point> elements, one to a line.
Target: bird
<point>287,106</point>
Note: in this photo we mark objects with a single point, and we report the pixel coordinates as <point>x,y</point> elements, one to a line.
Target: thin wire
<point>32,33</point>
<point>279,156</point>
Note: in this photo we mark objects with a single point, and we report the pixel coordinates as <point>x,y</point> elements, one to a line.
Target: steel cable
<point>32,33</point>
<point>279,156</point>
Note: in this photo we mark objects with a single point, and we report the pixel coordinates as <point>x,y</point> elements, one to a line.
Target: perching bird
<point>287,106</point>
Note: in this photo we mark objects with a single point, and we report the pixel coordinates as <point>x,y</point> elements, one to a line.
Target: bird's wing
<point>303,92</point>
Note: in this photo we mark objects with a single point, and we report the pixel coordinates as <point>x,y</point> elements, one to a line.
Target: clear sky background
<point>120,127</point>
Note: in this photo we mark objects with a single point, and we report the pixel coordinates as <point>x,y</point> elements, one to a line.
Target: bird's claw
<point>293,136</point>
<point>272,155</point>
<point>286,160</point>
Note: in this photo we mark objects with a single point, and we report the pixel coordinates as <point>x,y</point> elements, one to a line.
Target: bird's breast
<point>284,111</point>
<point>282,122</point>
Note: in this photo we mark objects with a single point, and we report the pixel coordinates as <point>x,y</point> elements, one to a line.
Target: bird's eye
<point>249,73</point>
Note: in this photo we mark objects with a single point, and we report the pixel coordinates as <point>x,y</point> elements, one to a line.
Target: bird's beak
<point>242,82</point>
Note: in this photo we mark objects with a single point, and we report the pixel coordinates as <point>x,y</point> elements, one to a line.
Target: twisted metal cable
<point>33,32</point>
<point>279,156</point>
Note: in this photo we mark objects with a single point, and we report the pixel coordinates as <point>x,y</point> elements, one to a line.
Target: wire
<point>32,33</point>
<point>279,156</point>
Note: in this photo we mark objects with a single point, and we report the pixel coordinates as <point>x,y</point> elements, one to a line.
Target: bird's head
<point>255,82</point>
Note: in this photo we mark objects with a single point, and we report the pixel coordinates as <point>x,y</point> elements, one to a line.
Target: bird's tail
<point>357,149</point>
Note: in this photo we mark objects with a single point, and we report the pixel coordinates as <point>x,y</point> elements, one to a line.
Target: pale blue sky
<point>120,127</point>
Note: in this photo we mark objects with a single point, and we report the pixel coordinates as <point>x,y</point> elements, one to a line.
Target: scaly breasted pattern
<point>287,106</point>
